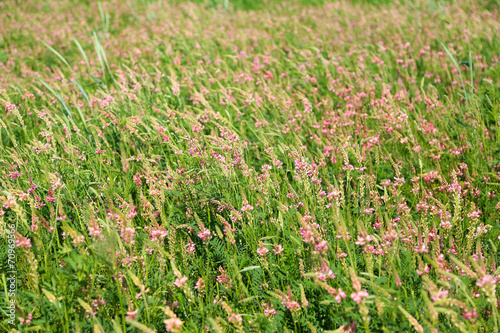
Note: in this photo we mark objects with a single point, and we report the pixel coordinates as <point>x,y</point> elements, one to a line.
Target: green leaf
<point>140,326</point>
<point>59,56</point>
<point>249,268</point>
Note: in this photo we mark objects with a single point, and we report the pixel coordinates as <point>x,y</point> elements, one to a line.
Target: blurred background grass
<point>261,4</point>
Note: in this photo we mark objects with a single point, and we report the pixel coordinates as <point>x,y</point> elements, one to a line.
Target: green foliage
<point>260,166</point>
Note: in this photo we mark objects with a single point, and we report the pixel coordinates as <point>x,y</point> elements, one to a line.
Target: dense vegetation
<point>194,166</point>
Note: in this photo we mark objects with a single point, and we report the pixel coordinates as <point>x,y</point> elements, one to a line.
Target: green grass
<point>295,168</point>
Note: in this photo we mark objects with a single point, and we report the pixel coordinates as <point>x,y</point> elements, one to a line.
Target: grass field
<point>239,166</point>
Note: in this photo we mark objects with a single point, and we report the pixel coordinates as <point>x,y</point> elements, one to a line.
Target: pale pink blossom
<point>262,250</point>
<point>173,324</point>
<point>179,282</point>
<point>359,296</point>
<point>485,281</point>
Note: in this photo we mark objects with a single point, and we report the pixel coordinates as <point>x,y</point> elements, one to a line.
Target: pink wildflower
<point>278,249</point>
<point>475,214</point>
<point>359,296</point>
<point>200,285</point>
<point>246,208</point>
<point>179,282</point>
<point>172,324</point>
<point>132,314</point>
<point>234,317</point>
<point>269,312</point>
<point>262,251</point>
<point>340,295</point>
<point>23,242</point>
<point>441,294</point>
<point>205,234</point>
<point>291,305</point>
<point>486,281</point>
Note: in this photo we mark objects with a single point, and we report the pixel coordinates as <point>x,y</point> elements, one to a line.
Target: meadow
<point>238,166</point>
